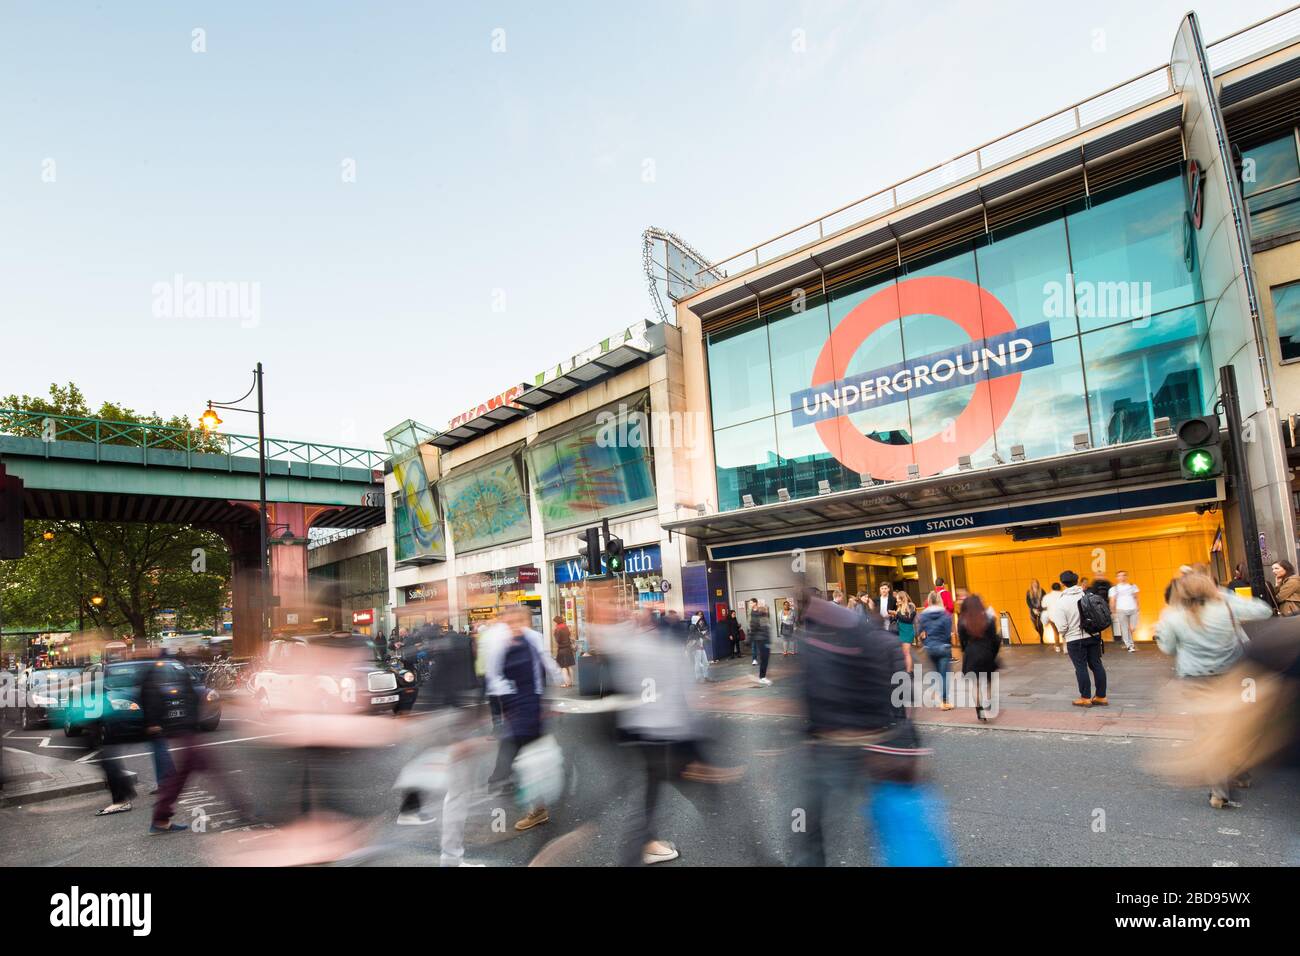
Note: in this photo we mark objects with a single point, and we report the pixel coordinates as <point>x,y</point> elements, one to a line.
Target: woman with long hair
<point>1034,598</point>
<point>935,625</point>
<point>1200,629</point>
<point>787,629</point>
<point>904,615</point>
<point>1286,588</point>
<point>564,656</point>
<point>977,632</point>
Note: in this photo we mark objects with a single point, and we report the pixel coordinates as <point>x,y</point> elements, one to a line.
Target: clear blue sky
<point>476,171</point>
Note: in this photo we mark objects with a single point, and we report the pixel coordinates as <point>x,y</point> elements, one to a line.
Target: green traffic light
<point>614,564</point>
<point>1198,462</point>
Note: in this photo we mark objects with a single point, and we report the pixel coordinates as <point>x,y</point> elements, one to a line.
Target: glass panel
<point>1269,164</point>
<point>746,462</point>
<point>740,379</point>
<point>486,507</point>
<point>1275,213</point>
<point>1025,268</point>
<point>805,459</point>
<point>796,341</point>
<point>1049,409</point>
<point>1286,315</point>
<point>1127,252</point>
<point>1143,370</point>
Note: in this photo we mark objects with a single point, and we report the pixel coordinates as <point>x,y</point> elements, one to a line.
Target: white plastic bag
<point>539,773</point>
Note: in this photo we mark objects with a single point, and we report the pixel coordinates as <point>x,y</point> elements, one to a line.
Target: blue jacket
<point>936,625</point>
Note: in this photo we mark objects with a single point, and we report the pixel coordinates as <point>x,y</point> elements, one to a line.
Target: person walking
<point>1084,648</point>
<point>941,588</point>
<point>935,626</point>
<point>1286,588</point>
<point>787,630</point>
<point>886,608</point>
<point>977,632</point>
<point>564,657</point>
<point>517,668</point>
<point>734,633</point>
<point>760,635</point>
<point>749,618</point>
<point>1124,609</point>
<point>1201,630</point>
<point>1034,599</point>
<point>905,622</point>
<point>1050,633</point>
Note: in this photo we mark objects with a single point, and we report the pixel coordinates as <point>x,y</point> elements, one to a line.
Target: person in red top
<point>942,590</point>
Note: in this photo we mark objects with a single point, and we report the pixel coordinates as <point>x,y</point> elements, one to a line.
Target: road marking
<point>149,753</point>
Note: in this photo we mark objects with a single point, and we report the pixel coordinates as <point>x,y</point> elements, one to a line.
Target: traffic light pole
<point>1231,404</point>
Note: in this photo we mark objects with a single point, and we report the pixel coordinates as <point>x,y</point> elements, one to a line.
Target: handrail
<point>102,431</point>
<point>1075,118</point>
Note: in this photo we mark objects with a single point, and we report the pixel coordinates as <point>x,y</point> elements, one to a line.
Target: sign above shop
<point>415,593</point>
<point>508,579</point>
<point>635,561</point>
<point>636,336</point>
<point>363,617</point>
<point>506,398</point>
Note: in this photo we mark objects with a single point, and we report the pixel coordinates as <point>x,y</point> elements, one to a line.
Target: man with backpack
<point>1079,617</point>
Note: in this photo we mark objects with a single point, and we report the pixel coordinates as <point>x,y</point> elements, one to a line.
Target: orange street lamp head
<point>48,535</point>
<point>209,420</point>
<point>97,600</point>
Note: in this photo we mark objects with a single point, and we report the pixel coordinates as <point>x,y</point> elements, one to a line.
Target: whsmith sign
<point>997,354</point>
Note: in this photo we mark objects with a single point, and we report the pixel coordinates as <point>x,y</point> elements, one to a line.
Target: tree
<point>137,568</point>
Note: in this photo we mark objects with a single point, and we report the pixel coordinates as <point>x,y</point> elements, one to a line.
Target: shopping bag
<point>430,772</point>
<point>539,773</point>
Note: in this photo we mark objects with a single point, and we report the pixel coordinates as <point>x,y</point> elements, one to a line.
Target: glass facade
<point>601,470</point>
<point>1271,183</point>
<point>1286,315</point>
<point>486,507</point>
<point>1085,320</point>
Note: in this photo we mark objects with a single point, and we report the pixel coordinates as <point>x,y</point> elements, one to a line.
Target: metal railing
<point>100,431</point>
<point>324,539</point>
<point>1248,43</point>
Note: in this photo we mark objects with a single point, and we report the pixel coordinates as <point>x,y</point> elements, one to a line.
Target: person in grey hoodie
<point>1201,630</point>
<point>1084,648</point>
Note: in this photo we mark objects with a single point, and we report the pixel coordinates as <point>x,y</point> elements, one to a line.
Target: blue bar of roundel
<point>1038,335</point>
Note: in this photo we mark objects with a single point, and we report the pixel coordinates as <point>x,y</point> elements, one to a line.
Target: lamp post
<point>209,421</point>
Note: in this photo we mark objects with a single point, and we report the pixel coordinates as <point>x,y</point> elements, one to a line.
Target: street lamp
<point>48,536</point>
<point>209,421</point>
<point>97,600</point>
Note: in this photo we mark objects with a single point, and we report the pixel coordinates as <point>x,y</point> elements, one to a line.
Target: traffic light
<point>614,554</point>
<point>1199,454</point>
<point>11,516</point>
<point>589,551</point>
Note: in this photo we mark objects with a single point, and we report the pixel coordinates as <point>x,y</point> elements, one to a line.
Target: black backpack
<point>1094,613</point>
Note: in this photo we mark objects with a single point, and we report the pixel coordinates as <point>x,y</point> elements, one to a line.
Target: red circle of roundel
<point>979,314</point>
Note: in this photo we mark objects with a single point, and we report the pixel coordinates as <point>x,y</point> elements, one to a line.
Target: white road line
<point>214,743</point>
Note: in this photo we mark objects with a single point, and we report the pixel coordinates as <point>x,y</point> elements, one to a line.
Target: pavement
<point>1033,689</point>
<point>33,777</point>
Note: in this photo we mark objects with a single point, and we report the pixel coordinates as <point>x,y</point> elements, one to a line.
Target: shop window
<point>1286,316</point>
<point>1127,252</point>
<point>486,507</point>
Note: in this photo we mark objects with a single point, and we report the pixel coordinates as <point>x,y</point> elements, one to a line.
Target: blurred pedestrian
<point>760,634</point>
<point>1201,629</point>
<point>518,665</point>
<point>1034,599</point>
<point>1050,633</point>
<point>564,657</point>
<point>977,632</point>
<point>1124,609</point>
<point>935,626</point>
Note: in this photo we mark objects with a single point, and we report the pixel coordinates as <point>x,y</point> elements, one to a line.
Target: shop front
<point>421,604</point>
<point>483,596</point>
<point>643,586</point>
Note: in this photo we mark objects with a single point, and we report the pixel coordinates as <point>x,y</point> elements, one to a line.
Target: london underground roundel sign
<point>998,352</point>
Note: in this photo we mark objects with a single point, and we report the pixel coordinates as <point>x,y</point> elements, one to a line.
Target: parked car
<point>44,694</point>
<point>358,683</point>
<point>109,708</point>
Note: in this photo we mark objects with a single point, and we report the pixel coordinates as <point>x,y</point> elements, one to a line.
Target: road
<point>1014,798</point>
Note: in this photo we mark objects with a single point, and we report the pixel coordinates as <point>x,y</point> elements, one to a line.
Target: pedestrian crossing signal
<point>1199,453</point>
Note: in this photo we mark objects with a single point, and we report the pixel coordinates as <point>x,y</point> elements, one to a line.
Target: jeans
<point>163,767</point>
<point>941,657</point>
<point>1125,625</point>
<point>1086,655</point>
<point>764,652</point>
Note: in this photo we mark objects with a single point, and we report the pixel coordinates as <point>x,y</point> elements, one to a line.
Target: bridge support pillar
<point>245,584</point>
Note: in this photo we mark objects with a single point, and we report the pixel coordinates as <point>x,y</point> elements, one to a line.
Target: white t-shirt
<point>1125,596</point>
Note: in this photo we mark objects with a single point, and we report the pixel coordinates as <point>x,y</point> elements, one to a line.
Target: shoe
<point>114,808</point>
<point>765,681</point>
<point>1057,648</point>
<point>1219,803</point>
<point>152,791</point>
<point>1100,701</point>
<point>417,819</point>
<point>537,817</point>
<point>753,663</point>
<point>946,706</point>
<point>1083,702</point>
<point>1132,650</point>
<point>664,853</point>
<point>169,828</point>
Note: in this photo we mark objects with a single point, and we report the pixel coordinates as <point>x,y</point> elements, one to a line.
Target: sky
<point>402,209</point>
